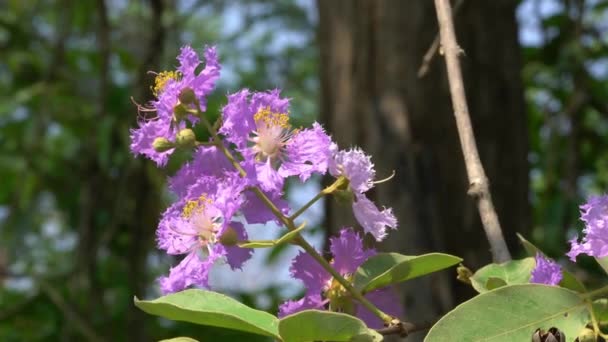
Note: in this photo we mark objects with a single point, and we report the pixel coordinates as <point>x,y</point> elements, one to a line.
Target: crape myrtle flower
<point>546,271</point>
<point>324,292</point>
<point>594,214</point>
<point>258,125</point>
<point>210,162</point>
<point>201,227</point>
<point>169,87</point>
<point>358,168</point>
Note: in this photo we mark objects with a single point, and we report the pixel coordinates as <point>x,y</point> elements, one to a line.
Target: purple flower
<point>546,271</point>
<point>323,292</point>
<point>169,85</point>
<point>358,168</point>
<point>258,125</point>
<point>210,162</point>
<point>594,214</point>
<point>195,226</point>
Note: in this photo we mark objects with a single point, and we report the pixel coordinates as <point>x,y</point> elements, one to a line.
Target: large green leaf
<point>512,313</point>
<point>511,272</point>
<point>389,268</point>
<point>603,262</point>
<point>211,308</point>
<point>315,325</point>
<point>530,248</point>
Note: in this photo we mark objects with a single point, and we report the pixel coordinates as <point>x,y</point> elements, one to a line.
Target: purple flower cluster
<point>323,291</point>
<point>168,88</point>
<point>594,214</point>
<point>214,200</point>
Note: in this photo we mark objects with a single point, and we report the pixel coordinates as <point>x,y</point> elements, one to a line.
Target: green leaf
<point>211,308</point>
<point>315,325</point>
<point>569,281</point>
<point>600,307</point>
<point>512,313</point>
<point>494,283</point>
<point>510,272</point>
<point>389,268</point>
<point>530,248</point>
<point>179,339</point>
<point>603,262</point>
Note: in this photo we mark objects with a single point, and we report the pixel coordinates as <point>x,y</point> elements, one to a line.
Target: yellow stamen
<point>195,205</point>
<point>162,79</point>
<point>271,118</point>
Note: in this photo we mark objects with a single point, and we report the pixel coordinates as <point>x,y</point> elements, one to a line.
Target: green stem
<point>596,292</point>
<point>289,223</point>
<point>328,190</point>
<point>307,205</point>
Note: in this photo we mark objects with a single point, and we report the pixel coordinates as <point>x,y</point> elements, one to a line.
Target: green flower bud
<point>180,112</point>
<point>161,144</point>
<point>229,238</point>
<point>346,197</point>
<point>187,96</point>
<point>464,274</point>
<point>185,138</point>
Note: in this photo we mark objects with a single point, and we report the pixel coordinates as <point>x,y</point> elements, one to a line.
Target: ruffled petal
<point>594,214</point>
<point>354,165</point>
<point>237,119</point>
<point>371,218</point>
<point>190,271</point>
<point>256,212</point>
<point>269,179</point>
<point>348,251</point>
<point>175,235</point>
<point>307,153</point>
<point>307,303</point>
<point>143,137</point>
<point>305,268</point>
<point>546,271</point>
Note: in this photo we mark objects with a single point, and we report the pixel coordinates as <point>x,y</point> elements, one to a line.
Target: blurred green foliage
<point>78,212</point>
<point>566,82</point>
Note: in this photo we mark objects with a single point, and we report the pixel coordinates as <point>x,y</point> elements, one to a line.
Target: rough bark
<point>372,97</point>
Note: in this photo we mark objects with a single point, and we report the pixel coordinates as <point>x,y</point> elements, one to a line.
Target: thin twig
<point>430,53</point>
<point>478,182</point>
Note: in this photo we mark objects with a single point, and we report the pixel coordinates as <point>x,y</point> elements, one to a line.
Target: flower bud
<point>464,274</point>
<point>187,96</point>
<point>552,335</point>
<point>229,238</point>
<point>180,112</point>
<point>161,144</point>
<point>344,196</point>
<point>185,138</point>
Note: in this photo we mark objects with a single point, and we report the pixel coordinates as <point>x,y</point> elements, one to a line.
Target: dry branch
<point>478,182</point>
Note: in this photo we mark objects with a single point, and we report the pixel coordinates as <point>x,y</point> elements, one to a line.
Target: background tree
<point>373,97</point>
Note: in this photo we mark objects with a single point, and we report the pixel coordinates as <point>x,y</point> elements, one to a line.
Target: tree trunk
<point>373,98</point>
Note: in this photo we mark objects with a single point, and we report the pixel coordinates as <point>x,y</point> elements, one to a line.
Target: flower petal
<point>372,219</point>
